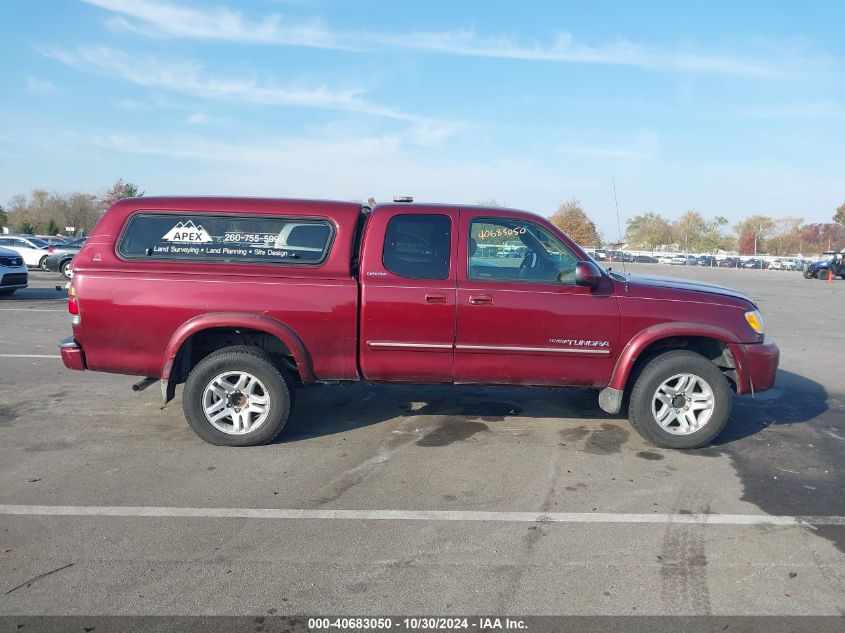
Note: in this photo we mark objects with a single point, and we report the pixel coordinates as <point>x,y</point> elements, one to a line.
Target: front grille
<point>11,261</point>
<point>13,279</point>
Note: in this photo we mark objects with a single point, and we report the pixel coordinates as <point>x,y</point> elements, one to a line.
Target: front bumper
<point>72,355</point>
<point>756,365</point>
<point>14,279</point>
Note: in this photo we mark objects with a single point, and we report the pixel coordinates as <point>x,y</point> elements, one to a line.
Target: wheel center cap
<point>679,401</point>
<point>237,400</point>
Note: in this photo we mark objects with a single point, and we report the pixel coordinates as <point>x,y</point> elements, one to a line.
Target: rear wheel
<point>809,274</point>
<point>42,263</point>
<point>236,396</point>
<point>680,400</point>
<point>823,274</point>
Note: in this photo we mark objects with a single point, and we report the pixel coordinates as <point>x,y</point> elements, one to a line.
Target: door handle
<point>478,300</point>
<point>436,299</point>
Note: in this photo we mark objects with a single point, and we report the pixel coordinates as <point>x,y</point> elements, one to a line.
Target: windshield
<point>38,242</point>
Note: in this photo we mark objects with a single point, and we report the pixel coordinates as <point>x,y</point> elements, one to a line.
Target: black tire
<point>63,267</point>
<point>42,263</point>
<point>809,274</point>
<point>256,362</point>
<point>823,274</point>
<point>662,368</point>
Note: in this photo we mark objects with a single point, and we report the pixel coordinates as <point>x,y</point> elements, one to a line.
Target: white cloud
<point>644,146</point>
<point>40,86</point>
<point>160,18</point>
<point>360,166</point>
<point>565,49</point>
<point>164,19</point>
<point>796,110</point>
<point>191,78</point>
<point>203,118</point>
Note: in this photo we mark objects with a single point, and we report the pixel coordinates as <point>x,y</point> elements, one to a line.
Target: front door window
<point>506,249</point>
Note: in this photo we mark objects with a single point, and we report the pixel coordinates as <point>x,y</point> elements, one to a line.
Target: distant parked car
<point>32,249</point>
<point>645,259</point>
<point>782,264</point>
<point>665,259</point>
<point>755,263</point>
<point>685,260</point>
<point>707,260</point>
<point>730,262</point>
<point>13,275</point>
<point>53,240</point>
<point>59,258</point>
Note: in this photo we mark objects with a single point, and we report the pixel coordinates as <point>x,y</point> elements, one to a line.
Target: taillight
<point>73,305</point>
<point>49,250</point>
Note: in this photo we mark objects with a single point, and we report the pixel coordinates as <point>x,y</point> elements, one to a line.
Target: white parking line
<point>417,515</point>
<point>29,356</point>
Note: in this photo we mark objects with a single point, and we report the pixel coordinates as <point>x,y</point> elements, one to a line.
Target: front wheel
<point>808,274</point>
<point>236,396</point>
<point>65,269</point>
<point>680,400</point>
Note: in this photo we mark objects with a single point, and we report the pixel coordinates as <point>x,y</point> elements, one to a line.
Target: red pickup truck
<point>245,300</point>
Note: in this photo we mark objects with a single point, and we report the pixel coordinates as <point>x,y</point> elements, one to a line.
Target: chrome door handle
<point>478,300</point>
<point>436,299</point>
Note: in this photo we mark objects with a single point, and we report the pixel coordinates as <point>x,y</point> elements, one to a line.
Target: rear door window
<point>417,246</point>
<point>226,238</point>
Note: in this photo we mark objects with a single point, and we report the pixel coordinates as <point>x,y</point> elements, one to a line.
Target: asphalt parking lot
<point>482,461</point>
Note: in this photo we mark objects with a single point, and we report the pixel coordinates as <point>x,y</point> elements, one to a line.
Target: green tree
<point>120,190</point>
<point>26,228</point>
<point>839,216</point>
<point>711,239</point>
<point>688,227</point>
<point>3,217</point>
<point>649,230</point>
<point>52,227</point>
<point>572,220</point>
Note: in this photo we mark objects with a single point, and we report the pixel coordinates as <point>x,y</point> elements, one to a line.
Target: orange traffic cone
<point>830,276</point>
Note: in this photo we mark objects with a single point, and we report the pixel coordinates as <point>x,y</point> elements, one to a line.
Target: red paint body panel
<point>759,365</point>
<point>73,358</point>
<point>528,318</point>
<point>399,311</point>
<point>379,326</point>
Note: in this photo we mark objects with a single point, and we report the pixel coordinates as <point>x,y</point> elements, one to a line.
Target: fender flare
<point>246,320</point>
<point>610,398</point>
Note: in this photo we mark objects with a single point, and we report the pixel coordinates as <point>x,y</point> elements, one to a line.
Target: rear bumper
<point>72,355</point>
<point>757,366</point>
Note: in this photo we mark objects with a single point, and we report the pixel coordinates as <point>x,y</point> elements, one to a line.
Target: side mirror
<point>587,274</point>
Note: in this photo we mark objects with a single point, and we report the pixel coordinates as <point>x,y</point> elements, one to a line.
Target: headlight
<point>754,319</point>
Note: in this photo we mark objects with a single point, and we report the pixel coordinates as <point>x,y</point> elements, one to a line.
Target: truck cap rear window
<point>225,238</point>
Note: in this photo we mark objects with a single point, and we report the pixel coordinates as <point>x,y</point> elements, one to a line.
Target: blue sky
<point>724,107</point>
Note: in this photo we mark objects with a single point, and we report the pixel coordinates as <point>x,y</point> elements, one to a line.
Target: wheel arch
<point>716,344</point>
<point>263,331</point>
